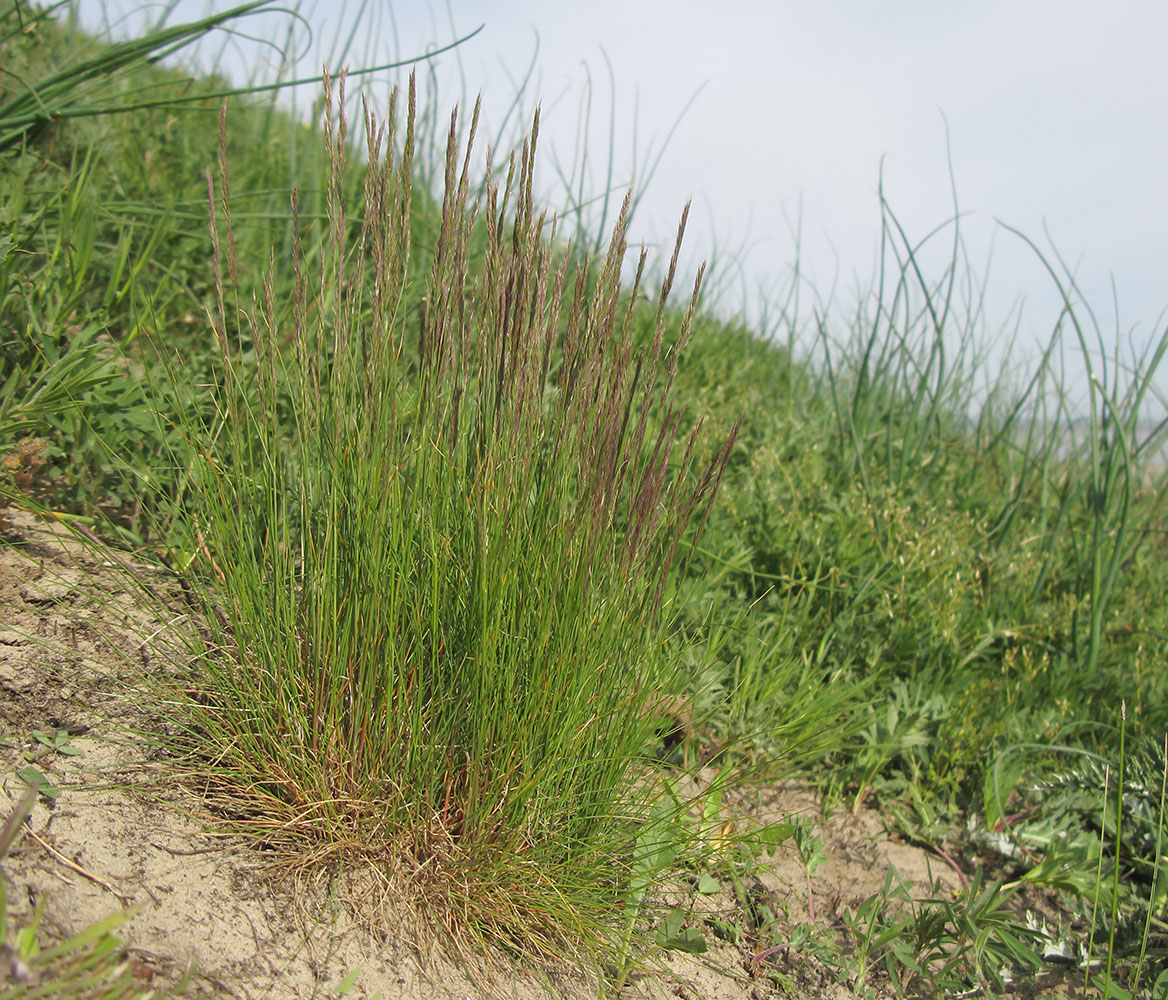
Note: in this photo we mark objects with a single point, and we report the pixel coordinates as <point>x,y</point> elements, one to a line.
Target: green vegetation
<point>416,519</point>
<point>466,522</point>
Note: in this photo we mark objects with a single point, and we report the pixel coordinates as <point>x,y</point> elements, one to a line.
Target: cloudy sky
<point>1057,114</point>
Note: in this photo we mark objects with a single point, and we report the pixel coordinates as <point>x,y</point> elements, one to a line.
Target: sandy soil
<point>121,832</point>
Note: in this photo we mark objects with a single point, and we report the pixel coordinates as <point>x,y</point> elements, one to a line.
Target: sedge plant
<point>435,512</point>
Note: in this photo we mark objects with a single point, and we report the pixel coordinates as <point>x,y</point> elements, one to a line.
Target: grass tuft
<point>435,546</point>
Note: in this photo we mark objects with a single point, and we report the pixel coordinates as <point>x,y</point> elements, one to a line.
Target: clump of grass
<point>435,544</point>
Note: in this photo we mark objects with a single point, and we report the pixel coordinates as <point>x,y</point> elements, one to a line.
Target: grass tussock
<point>437,543</point>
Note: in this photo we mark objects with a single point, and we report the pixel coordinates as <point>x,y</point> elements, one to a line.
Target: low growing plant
<point>1093,829</point>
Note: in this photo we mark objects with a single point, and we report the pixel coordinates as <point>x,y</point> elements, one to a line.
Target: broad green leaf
<point>673,936</point>
<point>708,885</point>
<point>31,776</point>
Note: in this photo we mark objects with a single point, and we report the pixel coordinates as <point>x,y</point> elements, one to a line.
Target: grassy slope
<point>885,598</point>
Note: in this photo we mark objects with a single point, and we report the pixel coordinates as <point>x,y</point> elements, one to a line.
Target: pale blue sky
<point>1057,110</point>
